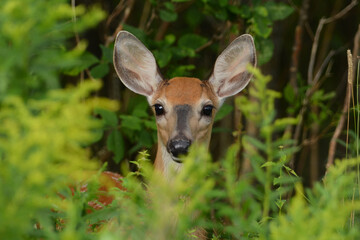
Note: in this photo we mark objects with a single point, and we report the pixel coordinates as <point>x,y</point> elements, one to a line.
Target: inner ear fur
<point>230,75</point>
<point>135,65</point>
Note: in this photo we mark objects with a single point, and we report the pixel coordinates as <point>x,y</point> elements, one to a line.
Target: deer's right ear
<point>135,65</point>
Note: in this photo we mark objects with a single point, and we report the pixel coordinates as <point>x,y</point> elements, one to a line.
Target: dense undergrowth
<point>45,138</point>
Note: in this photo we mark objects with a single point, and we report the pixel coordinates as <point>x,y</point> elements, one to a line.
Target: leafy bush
<point>46,133</point>
<point>41,151</point>
<point>34,44</point>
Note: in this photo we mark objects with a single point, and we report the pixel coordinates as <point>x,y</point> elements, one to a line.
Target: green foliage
<point>329,211</point>
<point>212,196</point>
<point>138,124</point>
<point>179,45</point>
<point>34,46</point>
<point>41,150</point>
<point>45,138</point>
<point>168,13</point>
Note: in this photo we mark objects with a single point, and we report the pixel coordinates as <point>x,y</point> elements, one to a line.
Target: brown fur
<point>180,91</point>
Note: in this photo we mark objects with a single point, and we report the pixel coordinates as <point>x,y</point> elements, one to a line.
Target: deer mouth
<point>176,159</point>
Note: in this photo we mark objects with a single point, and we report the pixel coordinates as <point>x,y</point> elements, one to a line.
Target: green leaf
<point>223,111</point>
<point>265,48</point>
<point>261,11</point>
<point>245,11</point>
<point>235,9</point>
<point>278,11</point>
<point>145,138</point>
<point>130,122</point>
<point>109,118</point>
<point>163,57</point>
<point>290,170</point>
<point>150,124</point>
<point>107,53</point>
<point>168,16</point>
<point>268,164</point>
<point>180,0</point>
<point>115,143</point>
<point>170,39</point>
<point>100,70</point>
<point>286,179</point>
<point>280,203</point>
<point>140,108</point>
<point>184,70</point>
<point>223,3</point>
<point>255,142</point>
<point>261,26</point>
<point>193,18</point>
<point>289,93</point>
<point>170,6</point>
<point>192,41</point>
<point>282,123</point>
<point>221,14</point>
<point>87,60</point>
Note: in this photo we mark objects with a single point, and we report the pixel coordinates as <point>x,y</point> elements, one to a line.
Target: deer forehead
<point>183,90</point>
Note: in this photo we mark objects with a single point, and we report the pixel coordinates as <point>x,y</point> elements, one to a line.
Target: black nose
<point>179,146</point>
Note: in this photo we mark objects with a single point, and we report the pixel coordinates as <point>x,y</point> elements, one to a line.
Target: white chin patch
<point>176,159</point>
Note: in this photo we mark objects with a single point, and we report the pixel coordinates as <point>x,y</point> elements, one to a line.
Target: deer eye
<point>159,109</point>
<point>207,110</point>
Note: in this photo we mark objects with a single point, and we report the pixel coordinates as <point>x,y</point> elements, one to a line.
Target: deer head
<point>184,107</point>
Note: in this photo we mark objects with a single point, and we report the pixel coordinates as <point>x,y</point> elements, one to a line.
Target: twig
<point>325,63</point>
<point>123,6</point>
<point>118,9</point>
<point>356,47</point>
<point>73,7</point>
<point>77,39</point>
<point>297,45</point>
<point>310,78</point>
<point>314,47</point>
<point>145,14</point>
<point>161,31</point>
<point>355,56</point>
<point>225,28</point>
<point>346,106</point>
<point>150,21</point>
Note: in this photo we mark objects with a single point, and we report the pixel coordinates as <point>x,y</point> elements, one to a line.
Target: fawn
<point>184,107</point>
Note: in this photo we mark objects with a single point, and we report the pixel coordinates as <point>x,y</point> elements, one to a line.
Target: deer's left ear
<point>230,75</point>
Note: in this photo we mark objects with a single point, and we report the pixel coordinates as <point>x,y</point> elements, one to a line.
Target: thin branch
<point>150,21</point>
<point>77,39</point>
<point>315,45</point>
<point>342,12</point>
<point>145,15</point>
<point>161,31</point>
<point>118,9</point>
<point>225,28</point>
<point>325,63</point>
<point>310,74</point>
<point>73,7</point>
<point>355,56</point>
<point>297,44</point>
<point>346,106</point>
<point>356,47</point>
<point>309,141</point>
<point>121,7</point>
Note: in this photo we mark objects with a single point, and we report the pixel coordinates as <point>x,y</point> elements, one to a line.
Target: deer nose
<point>178,146</point>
